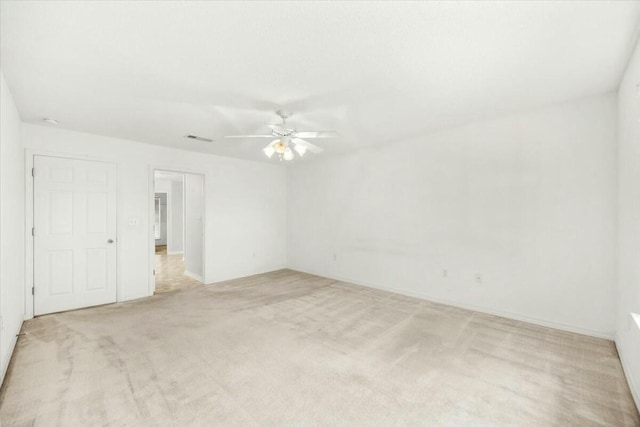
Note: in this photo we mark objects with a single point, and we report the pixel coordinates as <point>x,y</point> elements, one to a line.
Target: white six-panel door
<point>74,234</point>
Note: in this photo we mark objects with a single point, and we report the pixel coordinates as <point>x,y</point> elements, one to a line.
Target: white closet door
<point>75,232</point>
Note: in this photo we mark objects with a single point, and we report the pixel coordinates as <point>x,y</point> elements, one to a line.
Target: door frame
<point>151,206</point>
<point>29,300</point>
<point>168,214</point>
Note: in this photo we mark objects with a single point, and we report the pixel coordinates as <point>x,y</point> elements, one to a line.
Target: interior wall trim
<point>635,391</point>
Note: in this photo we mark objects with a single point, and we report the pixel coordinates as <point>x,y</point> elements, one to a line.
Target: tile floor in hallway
<point>170,272</point>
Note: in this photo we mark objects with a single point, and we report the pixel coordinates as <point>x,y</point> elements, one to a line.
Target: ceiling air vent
<point>199,138</point>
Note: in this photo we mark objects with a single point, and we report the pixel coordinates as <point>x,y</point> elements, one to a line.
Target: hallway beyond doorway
<point>170,272</point>
<point>178,229</point>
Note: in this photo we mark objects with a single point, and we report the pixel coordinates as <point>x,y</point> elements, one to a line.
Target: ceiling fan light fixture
<point>269,150</point>
<point>280,147</point>
<point>288,139</point>
<point>300,149</point>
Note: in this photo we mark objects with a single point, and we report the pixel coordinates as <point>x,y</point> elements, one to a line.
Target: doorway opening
<point>178,230</point>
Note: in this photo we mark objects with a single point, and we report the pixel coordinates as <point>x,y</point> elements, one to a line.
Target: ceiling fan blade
<point>277,128</point>
<point>249,136</point>
<point>306,144</point>
<point>319,134</point>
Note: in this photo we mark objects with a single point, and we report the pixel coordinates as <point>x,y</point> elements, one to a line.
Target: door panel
<point>97,211</point>
<point>61,212</point>
<point>60,272</point>
<point>74,221</point>
<point>97,275</point>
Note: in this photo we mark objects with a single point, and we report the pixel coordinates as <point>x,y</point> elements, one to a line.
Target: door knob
<point>110,241</point>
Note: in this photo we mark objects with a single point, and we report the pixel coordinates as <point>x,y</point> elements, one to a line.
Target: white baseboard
<point>5,363</point>
<point>481,309</point>
<point>194,276</point>
<point>635,391</point>
<point>217,280</point>
<point>133,297</point>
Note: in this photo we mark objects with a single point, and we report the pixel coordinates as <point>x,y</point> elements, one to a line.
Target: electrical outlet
<point>445,273</point>
<point>478,278</point>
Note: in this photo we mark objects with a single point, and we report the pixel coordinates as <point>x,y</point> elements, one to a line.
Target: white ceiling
<point>376,72</point>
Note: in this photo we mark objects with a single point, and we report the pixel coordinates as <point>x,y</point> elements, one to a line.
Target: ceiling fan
<point>287,139</point>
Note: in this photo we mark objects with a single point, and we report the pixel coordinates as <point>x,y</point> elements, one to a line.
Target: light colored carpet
<point>287,348</point>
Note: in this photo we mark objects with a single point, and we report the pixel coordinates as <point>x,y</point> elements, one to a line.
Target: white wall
<point>527,200</point>
<point>628,290</point>
<point>245,204</point>
<point>12,232</point>
<point>176,244</point>
<point>162,185</point>
<point>164,213</point>
<point>193,212</point>
<point>175,212</point>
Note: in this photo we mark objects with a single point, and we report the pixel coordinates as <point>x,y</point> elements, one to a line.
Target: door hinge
<point>154,272</point>
<point>33,231</point>
<point>33,292</point>
<point>33,172</point>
